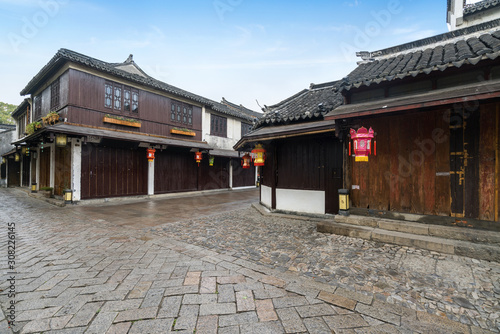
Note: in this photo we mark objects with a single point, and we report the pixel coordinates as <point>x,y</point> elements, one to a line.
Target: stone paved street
<point>144,267</point>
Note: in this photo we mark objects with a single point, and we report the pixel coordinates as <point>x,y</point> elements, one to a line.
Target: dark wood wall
<point>175,171</point>
<point>436,162</point>
<point>26,170</point>
<point>216,176</point>
<point>86,101</point>
<point>242,177</point>
<point>113,171</point>
<point>306,163</point>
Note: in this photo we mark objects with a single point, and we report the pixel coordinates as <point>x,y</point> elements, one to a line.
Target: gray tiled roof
<point>241,109</point>
<point>308,104</point>
<point>140,77</point>
<point>454,49</point>
<point>480,6</point>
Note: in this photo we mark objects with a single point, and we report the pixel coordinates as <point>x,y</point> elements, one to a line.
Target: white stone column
<point>231,174</point>
<point>21,164</point>
<point>76,168</point>
<point>52,178</point>
<point>37,168</point>
<point>151,177</point>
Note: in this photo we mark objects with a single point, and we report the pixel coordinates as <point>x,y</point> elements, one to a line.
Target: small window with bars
<point>218,126</point>
<point>54,95</point>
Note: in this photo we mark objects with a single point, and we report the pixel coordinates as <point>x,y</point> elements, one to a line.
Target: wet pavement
<point>212,263</point>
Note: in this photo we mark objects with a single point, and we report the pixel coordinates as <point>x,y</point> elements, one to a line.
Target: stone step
<point>439,231</point>
<point>482,251</point>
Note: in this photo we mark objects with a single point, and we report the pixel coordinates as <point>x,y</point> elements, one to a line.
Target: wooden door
<point>14,173</point>
<point>333,173</point>
<point>113,171</point>
<point>464,162</point>
<point>62,170</point>
<point>45,167</point>
<point>26,171</point>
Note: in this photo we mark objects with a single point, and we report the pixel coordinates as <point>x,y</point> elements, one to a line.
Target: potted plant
<point>51,118</point>
<point>121,121</point>
<point>183,131</point>
<point>32,127</point>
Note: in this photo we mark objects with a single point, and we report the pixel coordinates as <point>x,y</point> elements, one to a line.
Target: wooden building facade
<point>108,116</point>
<point>434,105</point>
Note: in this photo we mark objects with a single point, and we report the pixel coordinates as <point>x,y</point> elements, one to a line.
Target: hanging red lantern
<point>198,156</point>
<point>260,155</point>
<point>362,143</point>
<point>246,161</point>
<point>151,154</point>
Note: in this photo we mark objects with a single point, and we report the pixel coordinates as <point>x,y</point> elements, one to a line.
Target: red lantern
<point>246,161</point>
<point>260,155</point>
<point>151,154</point>
<point>362,143</point>
<point>198,156</point>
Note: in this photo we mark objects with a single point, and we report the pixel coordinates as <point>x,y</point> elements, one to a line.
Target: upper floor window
<point>54,95</point>
<point>218,126</point>
<point>181,113</point>
<point>119,97</point>
<point>38,107</point>
<point>245,128</point>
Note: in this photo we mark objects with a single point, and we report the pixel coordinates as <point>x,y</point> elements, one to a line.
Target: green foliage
<point>32,127</point>
<point>5,112</point>
<point>123,118</point>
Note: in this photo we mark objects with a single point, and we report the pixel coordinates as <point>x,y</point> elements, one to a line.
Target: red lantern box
<point>198,156</point>
<point>260,155</point>
<point>362,143</point>
<point>246,161</point>
<point>151,154</point>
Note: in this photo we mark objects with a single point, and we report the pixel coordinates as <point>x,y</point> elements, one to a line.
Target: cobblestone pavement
<point>233,272</point>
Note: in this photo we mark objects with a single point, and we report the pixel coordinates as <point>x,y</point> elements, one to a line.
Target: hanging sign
<point>362,143</point>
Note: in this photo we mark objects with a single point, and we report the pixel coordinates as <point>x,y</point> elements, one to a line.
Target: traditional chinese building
<point>108,129</point>
<point>433,106</point>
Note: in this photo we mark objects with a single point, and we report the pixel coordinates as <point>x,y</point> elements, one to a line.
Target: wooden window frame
<point>55,95</point>
<point>181,113</point>
<point>38,108</point>
<point>245,128</point>
<point>118,101</point>
<point>218,126</point>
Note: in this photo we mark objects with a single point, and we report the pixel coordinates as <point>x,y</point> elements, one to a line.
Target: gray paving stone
<point>245,301</point>
<point>316,326</point>
<point>229,330</point>
<point>337,322</point>
<point>121,305</point>
<point>36,326</point>
<point>380,313</point>
<point>137,314</point>
<point>37,314</point>
<point>273,327</point>
<point>187,319</point>
<point>317,310</point>
<point>101,323</point>
<point>226,294</point>
<point>217,309</point>
<point>291,320</point>
<point>85,315</point>
<point>182,290</point>
<point>207,324</point>
<point>238,319</point>
<point>199,299</point>
<point>153,298</point>
<point>285,302</point>
<point>170,307</point>
<point>151,326</point>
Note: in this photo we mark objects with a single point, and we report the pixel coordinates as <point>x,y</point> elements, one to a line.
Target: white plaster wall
<point>266,195</point>
<point>223,143</point>
<point>307,201</point>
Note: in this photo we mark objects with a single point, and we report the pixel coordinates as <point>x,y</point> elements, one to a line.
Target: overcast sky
<point>243,50</point>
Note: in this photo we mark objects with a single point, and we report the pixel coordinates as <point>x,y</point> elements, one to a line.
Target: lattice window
<point>245,128</point>
<point>172,113</point>
<point>218,126</point>
<point>54,95</point>
<point>38,107</point>
<point>108,95</point>
<point>117,98</point>
<point>127,98</point>
<point>135,101</point>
